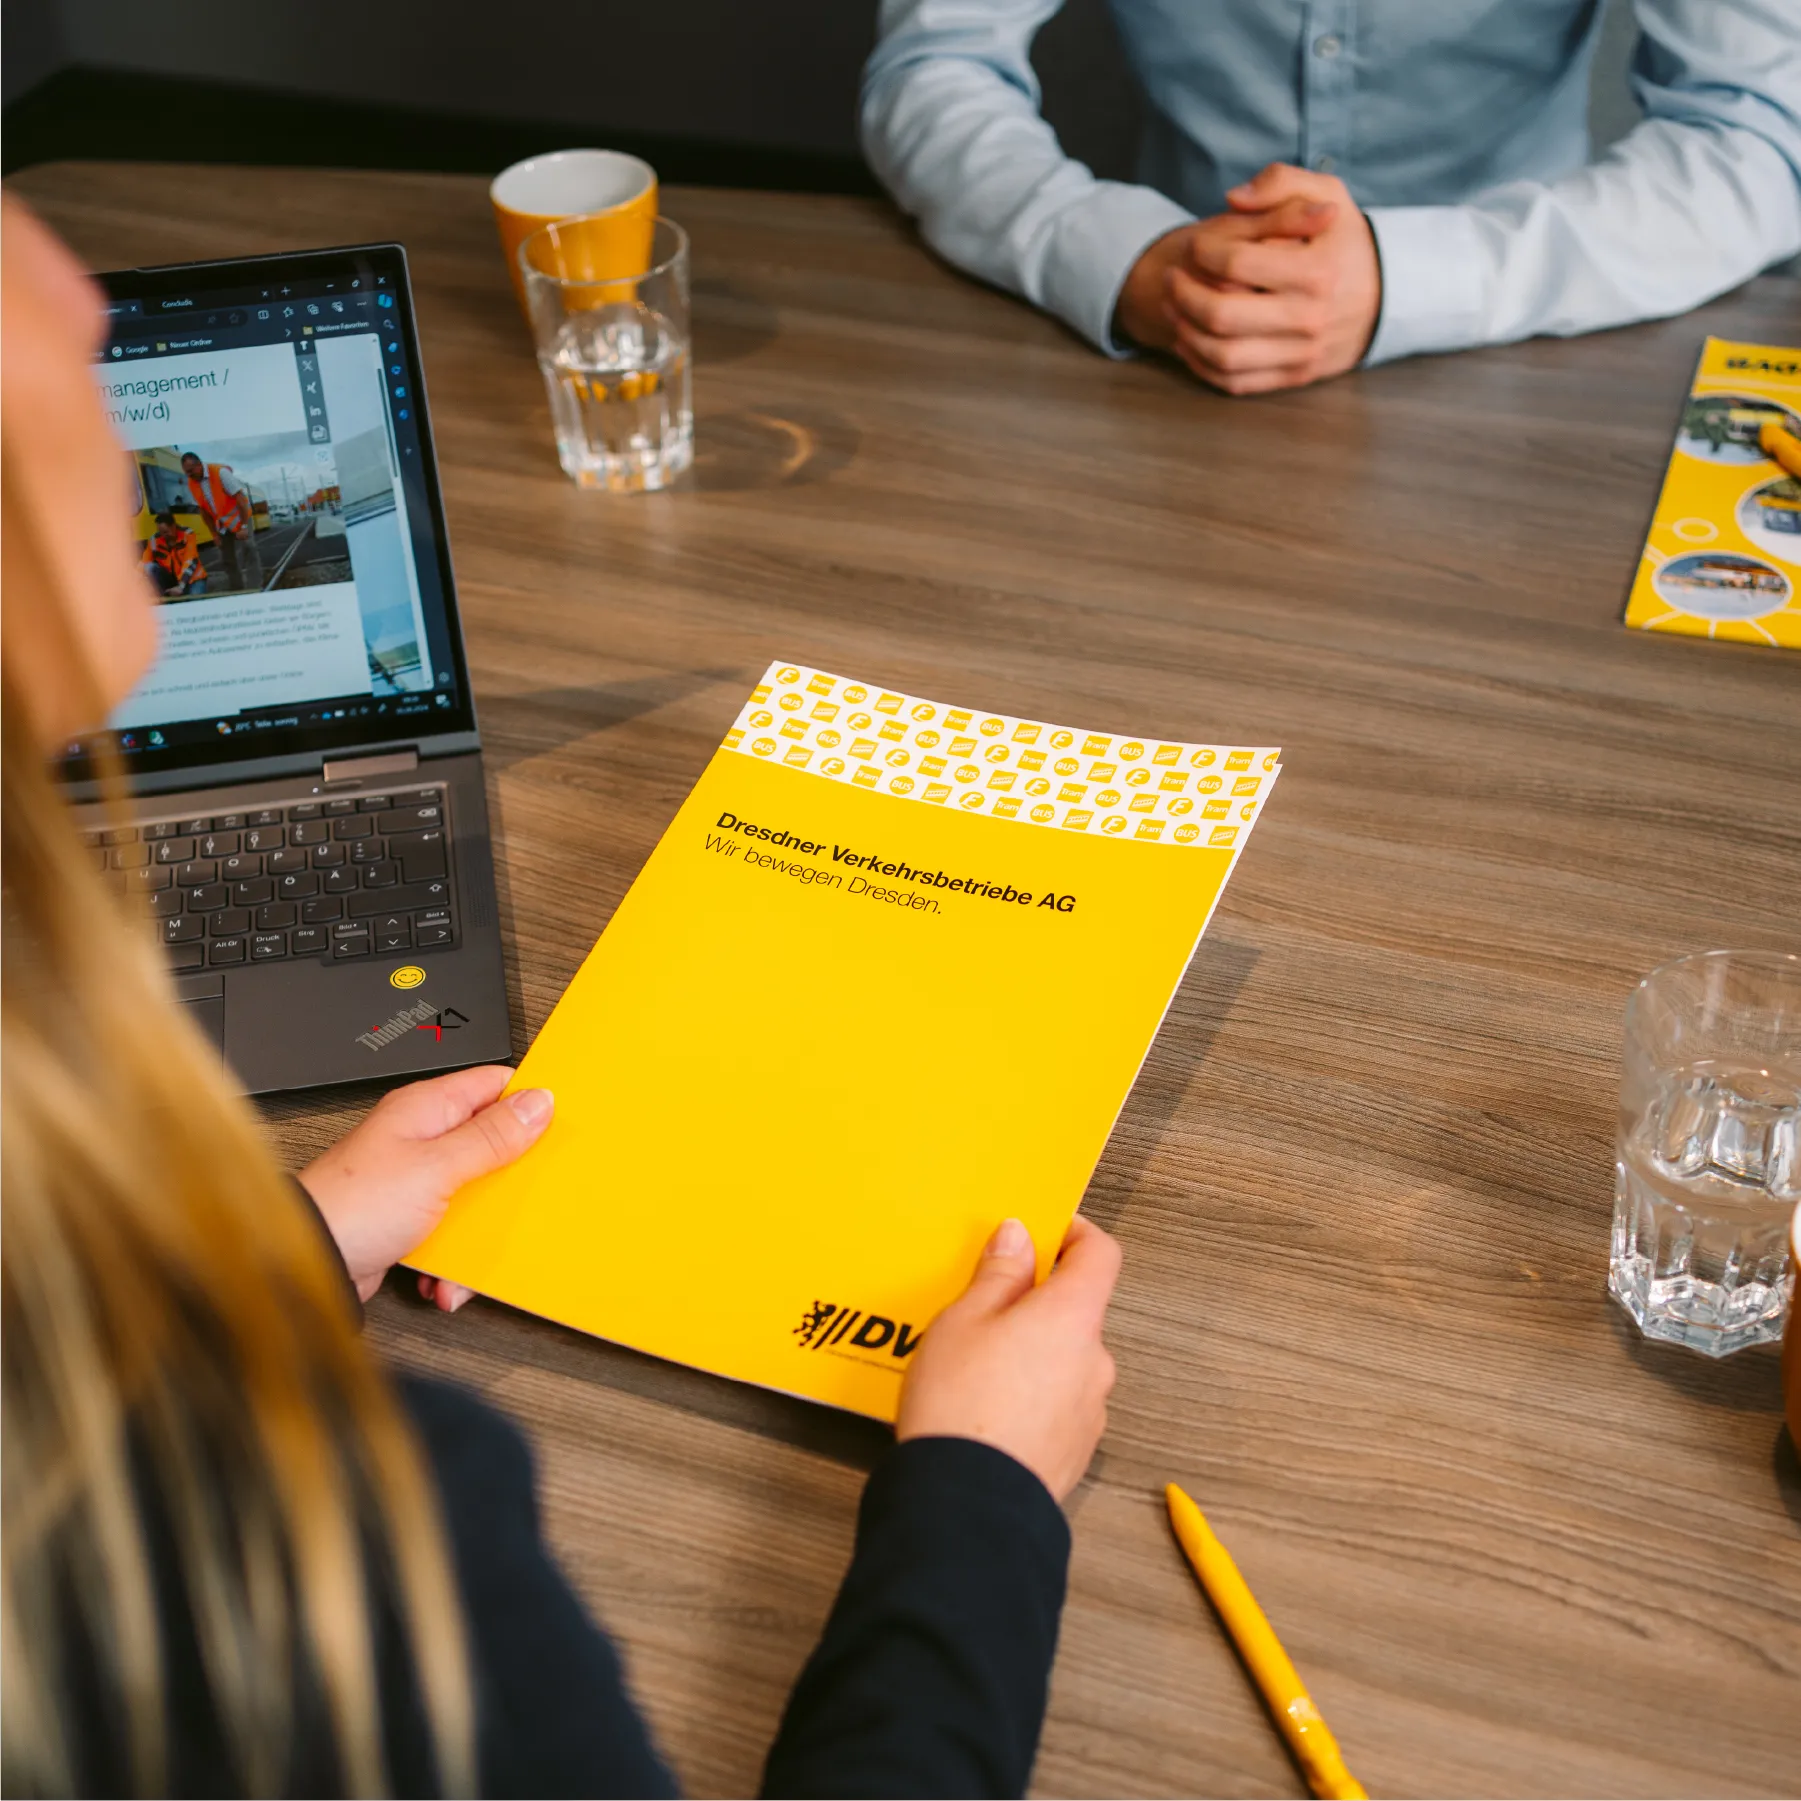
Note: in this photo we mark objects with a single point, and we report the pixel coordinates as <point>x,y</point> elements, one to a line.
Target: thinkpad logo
<point>422,1017</point>
<point>827,1326</point>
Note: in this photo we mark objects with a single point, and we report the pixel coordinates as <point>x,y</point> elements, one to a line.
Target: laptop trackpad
<point>209,1016</point>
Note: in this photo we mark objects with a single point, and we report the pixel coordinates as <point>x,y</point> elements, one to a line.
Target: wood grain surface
<point>1364,1183</point>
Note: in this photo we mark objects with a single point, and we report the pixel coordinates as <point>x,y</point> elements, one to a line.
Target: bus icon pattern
<point>1025,770</point>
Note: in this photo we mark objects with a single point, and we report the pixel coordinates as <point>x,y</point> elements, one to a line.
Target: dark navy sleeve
<point>932,1673</point>
<point>553,1716</point>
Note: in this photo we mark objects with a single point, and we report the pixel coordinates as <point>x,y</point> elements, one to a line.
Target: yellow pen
<point>1308,1735</point>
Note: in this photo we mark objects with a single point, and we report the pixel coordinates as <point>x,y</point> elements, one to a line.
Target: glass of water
<point>1708,1168</point>
<point>614,347</point>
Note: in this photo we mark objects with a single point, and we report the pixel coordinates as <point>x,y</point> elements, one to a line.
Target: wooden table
<point>1364,1182</point>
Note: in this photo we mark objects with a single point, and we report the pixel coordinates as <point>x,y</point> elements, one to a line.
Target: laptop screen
<point>281,493</point>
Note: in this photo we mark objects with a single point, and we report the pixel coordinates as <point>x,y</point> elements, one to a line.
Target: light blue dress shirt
<point>1460,126</point>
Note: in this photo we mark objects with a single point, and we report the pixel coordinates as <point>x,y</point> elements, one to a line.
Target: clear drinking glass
<point>614,347</point>
<point>1708,1168</point>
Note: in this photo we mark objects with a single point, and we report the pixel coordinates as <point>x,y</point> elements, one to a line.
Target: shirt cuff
<point>1096,243</point>
<point>955,1481</point>
<point>1433,292</point>
<point>352,1298</point>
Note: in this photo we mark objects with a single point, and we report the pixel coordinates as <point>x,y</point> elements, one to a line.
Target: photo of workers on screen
<point>239,517</point>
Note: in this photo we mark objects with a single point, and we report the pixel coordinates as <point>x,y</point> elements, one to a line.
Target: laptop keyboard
<point>351,877</point>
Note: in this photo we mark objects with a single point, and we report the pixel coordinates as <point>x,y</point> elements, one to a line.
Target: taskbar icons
<point>127,742</point>
<point>137,741</point>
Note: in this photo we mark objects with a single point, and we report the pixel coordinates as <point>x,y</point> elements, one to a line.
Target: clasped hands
<point>1283,290</point>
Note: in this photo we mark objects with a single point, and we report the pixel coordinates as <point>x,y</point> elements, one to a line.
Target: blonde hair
<point>179,1344</point>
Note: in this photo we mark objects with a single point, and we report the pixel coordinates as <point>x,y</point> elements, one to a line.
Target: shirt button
<point>1324,162</point>
<point>1327,46</point>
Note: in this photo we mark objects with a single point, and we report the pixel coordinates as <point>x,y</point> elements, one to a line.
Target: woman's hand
<point>385,1185</point>
<point>1019,1367</point>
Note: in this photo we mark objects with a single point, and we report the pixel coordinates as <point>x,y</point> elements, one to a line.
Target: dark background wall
<point>757,71</point>
<point>756,91</point>
<point>31,47</point>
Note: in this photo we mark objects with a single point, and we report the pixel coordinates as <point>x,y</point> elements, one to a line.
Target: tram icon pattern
<point>1002,767</point>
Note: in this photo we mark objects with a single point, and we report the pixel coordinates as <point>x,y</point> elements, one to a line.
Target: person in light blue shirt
<point>1324,183</point>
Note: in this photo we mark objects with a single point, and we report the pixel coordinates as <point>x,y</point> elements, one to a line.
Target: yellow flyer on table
<point>1723,556</point>
<point>886,979</point>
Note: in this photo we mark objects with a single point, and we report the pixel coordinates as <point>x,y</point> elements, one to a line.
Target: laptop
<point>307,831</point>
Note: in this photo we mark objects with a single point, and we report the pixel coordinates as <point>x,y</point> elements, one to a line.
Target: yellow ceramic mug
<point>615,193</point>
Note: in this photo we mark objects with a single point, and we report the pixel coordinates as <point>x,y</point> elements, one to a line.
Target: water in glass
<point>619,380</point>
<point>1706,1182</point>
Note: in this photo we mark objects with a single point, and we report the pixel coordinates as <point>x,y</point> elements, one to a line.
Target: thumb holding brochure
<point>1020,1367</point>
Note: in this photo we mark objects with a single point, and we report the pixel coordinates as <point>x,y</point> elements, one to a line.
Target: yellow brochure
<point>886,979</point>
<point>1723,555</point>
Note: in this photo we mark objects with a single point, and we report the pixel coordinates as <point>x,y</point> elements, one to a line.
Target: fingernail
<point>462,1301</point>
<point>1010,1239</point>
<point>533,1106</point>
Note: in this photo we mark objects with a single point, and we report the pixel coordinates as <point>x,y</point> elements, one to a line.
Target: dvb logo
<point>848,1328</point>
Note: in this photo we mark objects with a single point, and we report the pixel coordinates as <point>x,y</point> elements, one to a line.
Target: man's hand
<point>1283,290</point>
<point>385,1185</point>
<point>1020,1367</point>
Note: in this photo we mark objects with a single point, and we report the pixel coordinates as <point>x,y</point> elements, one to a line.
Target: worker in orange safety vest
<point>173,560</point>
<point>224,502</point>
